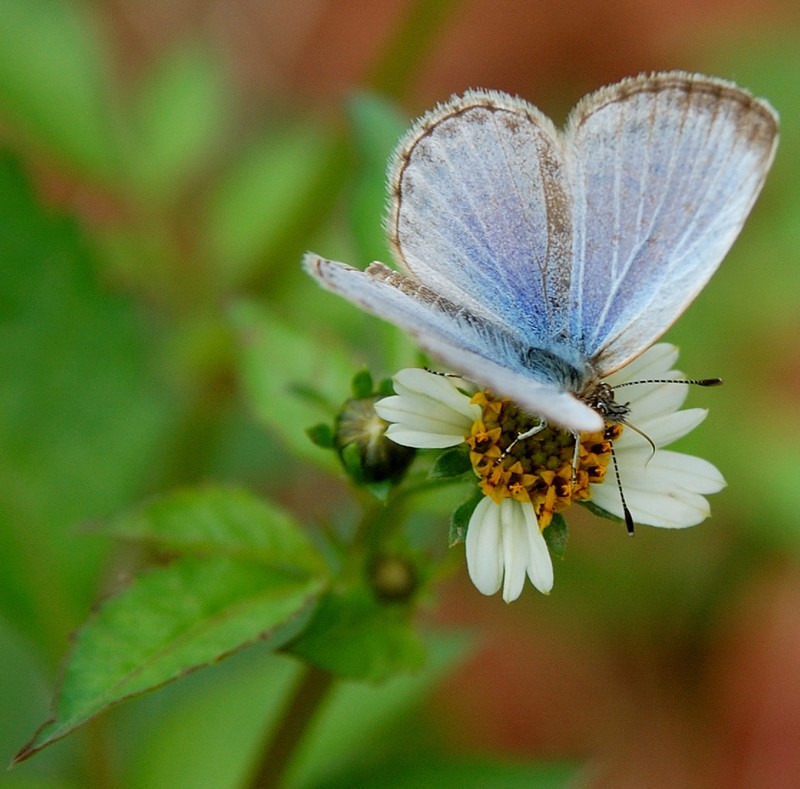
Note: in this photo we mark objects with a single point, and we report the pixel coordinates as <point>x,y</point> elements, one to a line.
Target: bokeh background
<point>162,164</point>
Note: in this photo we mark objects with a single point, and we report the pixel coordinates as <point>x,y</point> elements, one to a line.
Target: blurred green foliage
<point>54,84</point>
<point>77,390</point>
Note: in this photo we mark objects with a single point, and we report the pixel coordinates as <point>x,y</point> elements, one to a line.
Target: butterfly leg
<point>521,437</point>
<point>576,454</point>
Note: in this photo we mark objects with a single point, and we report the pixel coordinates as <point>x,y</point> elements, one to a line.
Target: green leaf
<point>222,521</point>
<point>53,81</point>
<point>353,635</point>
<point>362,385</point>
<point>386,387</point>
<point>459,520</point>
<point>321,435</point>
<point>452,463</point>
<point>291,379</point>
<point>556,535</point>
<point>179,118</point>
<point>170,621</point>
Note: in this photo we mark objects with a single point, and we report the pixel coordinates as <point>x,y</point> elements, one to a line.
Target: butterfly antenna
<point>626,513</point>
<point>693,381</point>
<point>645,437</point>
<point>441,372</point>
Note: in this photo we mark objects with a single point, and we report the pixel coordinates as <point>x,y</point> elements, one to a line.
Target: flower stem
<point>282,744</point>
<point>411,42</point>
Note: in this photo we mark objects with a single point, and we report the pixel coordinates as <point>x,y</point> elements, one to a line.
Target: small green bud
<point>392,578</point>
<point>360,438</point>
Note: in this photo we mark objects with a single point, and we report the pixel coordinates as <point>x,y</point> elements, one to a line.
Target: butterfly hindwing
<point>664,170</point>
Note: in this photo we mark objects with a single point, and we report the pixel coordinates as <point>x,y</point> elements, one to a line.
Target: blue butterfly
<point>537,261</point>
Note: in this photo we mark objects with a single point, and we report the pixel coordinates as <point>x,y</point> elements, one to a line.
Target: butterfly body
<point>537,261</point>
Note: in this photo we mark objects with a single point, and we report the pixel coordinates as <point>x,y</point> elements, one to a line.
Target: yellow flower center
<point>538,469</point>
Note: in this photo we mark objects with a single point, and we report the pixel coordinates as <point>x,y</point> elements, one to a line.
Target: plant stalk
<point>282,745</point>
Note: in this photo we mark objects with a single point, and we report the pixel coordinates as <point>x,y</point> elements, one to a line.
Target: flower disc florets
<point>543,468</point>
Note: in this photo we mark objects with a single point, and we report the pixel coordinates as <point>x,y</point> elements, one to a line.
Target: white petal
<point>516,549</point>
<point>421,439</point>
<point>424,416</point>
<point>667,510</point>
<point>661,430</point>
<point>653,363</point>
<point>647,401</point>
<point>503,546</point>
<point>484,547</point>
<point>396,407</point>
<point>540,565</point>
<point>439,388</point>
<point>663,493</point>
<point>667,471</point>
<point>427,411</point>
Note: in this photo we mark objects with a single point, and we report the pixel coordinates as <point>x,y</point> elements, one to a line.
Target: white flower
<point>504,536</point>
<point>503,544</point>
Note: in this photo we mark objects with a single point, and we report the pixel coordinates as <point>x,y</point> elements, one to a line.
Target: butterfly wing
<point>480,212</point>
<point>532,253</point>
<point>664,171</point>
<point>474,346</point>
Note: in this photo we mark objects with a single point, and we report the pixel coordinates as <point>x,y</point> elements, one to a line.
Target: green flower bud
<point>393,578</point>
<point>367,454</point>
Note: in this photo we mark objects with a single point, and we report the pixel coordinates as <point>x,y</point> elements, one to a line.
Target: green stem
<point>282,745</point>
<point>413,39</point>
<point>423,486</point>
<point>391,75</point>
<point>99,768</point>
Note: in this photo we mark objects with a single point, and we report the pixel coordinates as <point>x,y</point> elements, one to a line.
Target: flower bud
<point>367,454</point>
<point>393,578</point>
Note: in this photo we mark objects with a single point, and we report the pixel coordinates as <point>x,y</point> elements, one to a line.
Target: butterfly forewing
<point>665,170</point>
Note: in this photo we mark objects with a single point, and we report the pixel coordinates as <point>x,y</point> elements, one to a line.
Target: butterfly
<point>537,261</point>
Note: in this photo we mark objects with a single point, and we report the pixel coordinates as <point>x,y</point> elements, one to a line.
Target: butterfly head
<point>600,397</point>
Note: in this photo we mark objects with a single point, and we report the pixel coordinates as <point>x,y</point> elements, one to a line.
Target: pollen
<point>538,469</point>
